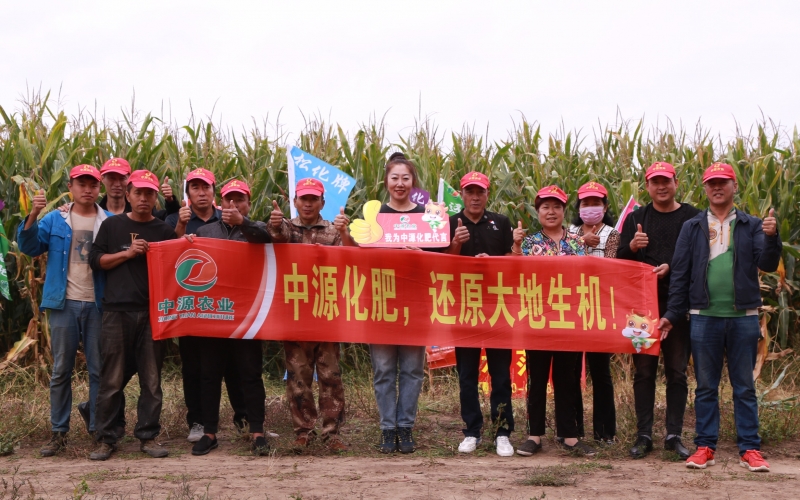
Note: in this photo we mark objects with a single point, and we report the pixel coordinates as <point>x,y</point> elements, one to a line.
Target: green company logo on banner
<point>196,271</point>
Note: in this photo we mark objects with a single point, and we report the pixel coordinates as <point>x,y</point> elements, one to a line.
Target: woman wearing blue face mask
<point>595,224</point>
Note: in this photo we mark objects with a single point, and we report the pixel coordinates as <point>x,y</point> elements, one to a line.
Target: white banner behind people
<point>338,185</point>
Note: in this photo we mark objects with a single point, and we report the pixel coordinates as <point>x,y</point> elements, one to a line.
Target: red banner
<point>219,288</point>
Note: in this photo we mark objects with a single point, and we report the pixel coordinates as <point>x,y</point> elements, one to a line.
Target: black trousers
<point>604,413</point>
<point>218,356</point>
<point>191,366</point>
<point>468,360</point>
<point>676,350</point>
<point>563,386</point>
<point>126,341</point>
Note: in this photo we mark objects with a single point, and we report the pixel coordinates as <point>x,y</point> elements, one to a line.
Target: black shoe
<point>203,446</point>
<point>674,444</point>
<point>406,440</point>
<point>259,446</point>
<point>85,412</point>
<point>642,447</point>
<point>388,442</point>
<point>528,448</point>
<point>58,441</point>
<point>579,448</point>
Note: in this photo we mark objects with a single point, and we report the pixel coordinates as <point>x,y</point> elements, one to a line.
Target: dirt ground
<point>229,472</point>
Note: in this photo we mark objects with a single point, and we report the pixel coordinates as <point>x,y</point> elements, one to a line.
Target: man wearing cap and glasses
<point>72,292</point>
<point>649,235</point>
<point>476,232</point>
<point>302,358</point>
<point>219,357</point>
<point>120,249</point>
<point>715,279</point>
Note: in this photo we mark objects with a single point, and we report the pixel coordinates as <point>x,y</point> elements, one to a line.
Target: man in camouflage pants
<point>301,357</point>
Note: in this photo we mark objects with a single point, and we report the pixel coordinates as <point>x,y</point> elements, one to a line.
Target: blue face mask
<point>592,215</point>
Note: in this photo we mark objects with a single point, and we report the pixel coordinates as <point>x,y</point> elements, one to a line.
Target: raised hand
<point>231,216</point>
<point>770,225</point>
<point>519,234</point>
<point>591,239</point>
<point>367,230</point>
<point>166,189</point>
<point>276,216</point>
<point>184,214</point>
<point>461,235</point>
<point>340,222</point>
<point>39,202</point>
<point>639,239</point>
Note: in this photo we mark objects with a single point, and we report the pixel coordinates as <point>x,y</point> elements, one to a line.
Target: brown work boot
<point>153,449</point>
<point>302,442</point>
<point>58,441</point>
<point>335,444</point>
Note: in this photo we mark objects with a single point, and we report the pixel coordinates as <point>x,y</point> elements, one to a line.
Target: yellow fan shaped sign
<point>367,230</point>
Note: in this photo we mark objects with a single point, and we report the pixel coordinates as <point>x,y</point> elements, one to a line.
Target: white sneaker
<point>504,448</point>
<point>469,444</point>
<point>196,433</point>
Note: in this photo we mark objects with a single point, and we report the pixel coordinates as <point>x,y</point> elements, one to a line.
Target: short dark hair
<point>84,177</point>
<point>186,189</point>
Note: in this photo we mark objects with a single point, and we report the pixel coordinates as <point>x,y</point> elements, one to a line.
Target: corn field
<point>39,144</point>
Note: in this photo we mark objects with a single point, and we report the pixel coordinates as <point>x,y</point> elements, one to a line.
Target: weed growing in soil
<point>561,475</point>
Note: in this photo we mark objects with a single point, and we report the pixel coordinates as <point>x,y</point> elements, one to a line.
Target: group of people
<point>96,289</point>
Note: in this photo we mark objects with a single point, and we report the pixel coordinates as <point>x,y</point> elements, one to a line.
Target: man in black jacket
<point>715,279</point>
<point>649,235</point>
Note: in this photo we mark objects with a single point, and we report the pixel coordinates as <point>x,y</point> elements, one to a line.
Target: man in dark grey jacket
<point>715,279</point>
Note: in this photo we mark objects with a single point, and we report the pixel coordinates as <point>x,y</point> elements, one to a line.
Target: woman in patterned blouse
<point>595,224</point>
<point>553,239</point>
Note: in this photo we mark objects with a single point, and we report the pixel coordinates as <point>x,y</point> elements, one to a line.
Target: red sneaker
<point>703,457</point>
<point>753,461</point>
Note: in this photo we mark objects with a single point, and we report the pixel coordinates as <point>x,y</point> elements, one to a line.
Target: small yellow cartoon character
<point>367,230</point>
<point>639,328</point>
<point>435,215</point>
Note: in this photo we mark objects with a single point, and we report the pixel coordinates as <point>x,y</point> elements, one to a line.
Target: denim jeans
<point>78,322</point>
<point>127,343</point>
<point>397,405</point>
<point>468,361</point>
<point>712,340</point>
<point>675,350</point>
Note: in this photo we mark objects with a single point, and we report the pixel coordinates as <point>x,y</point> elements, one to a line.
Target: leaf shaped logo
<point>196,271</point>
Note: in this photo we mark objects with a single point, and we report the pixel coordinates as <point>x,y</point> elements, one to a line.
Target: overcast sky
<point>463,62</point>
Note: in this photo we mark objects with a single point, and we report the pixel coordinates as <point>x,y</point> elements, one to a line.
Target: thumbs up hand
<point>770,225</point>
<point>340,222</point>
<point>591,239</point>
<point>276,216</point>
<point>166,189</point>
<point>639,239</point>
<point>39,202</point>
<point>461,235</point>
<point>519,234</point>
<point>367,230</point>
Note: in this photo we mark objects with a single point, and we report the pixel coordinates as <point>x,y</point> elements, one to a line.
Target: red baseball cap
<point>117,166</point>
<point>81,170</point>
<point>719,171</point>
<point>592,189</point>
<point>475,178</point>
<point>661,168</point>
<point>202,174</point>
<point>552,192</point>
<point>309,186</point>
<point>144,179</point>
<point>236,186</point>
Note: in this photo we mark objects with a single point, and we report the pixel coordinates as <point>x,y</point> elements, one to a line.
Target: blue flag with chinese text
<point>338,184</point>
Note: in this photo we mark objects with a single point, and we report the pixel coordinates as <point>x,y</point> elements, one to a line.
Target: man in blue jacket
<point>715,280</point>
<point>72,292</point>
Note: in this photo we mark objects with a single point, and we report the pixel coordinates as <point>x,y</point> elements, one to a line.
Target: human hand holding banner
<point>218,288</point>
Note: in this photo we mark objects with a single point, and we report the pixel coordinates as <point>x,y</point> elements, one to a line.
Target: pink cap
<point>80,170</point>
<point>309,186</point>
<point>660,168</point>
<point>144,179</point>
<point>592,189</point>
<point>475,178</point>
<point>552,192</point>
<point>202,174</point>
<point>236,186</point>
<point>117,166</point>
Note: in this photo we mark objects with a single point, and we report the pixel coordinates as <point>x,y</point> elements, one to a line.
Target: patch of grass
<point>562,475</point>
<point>105,475</point>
